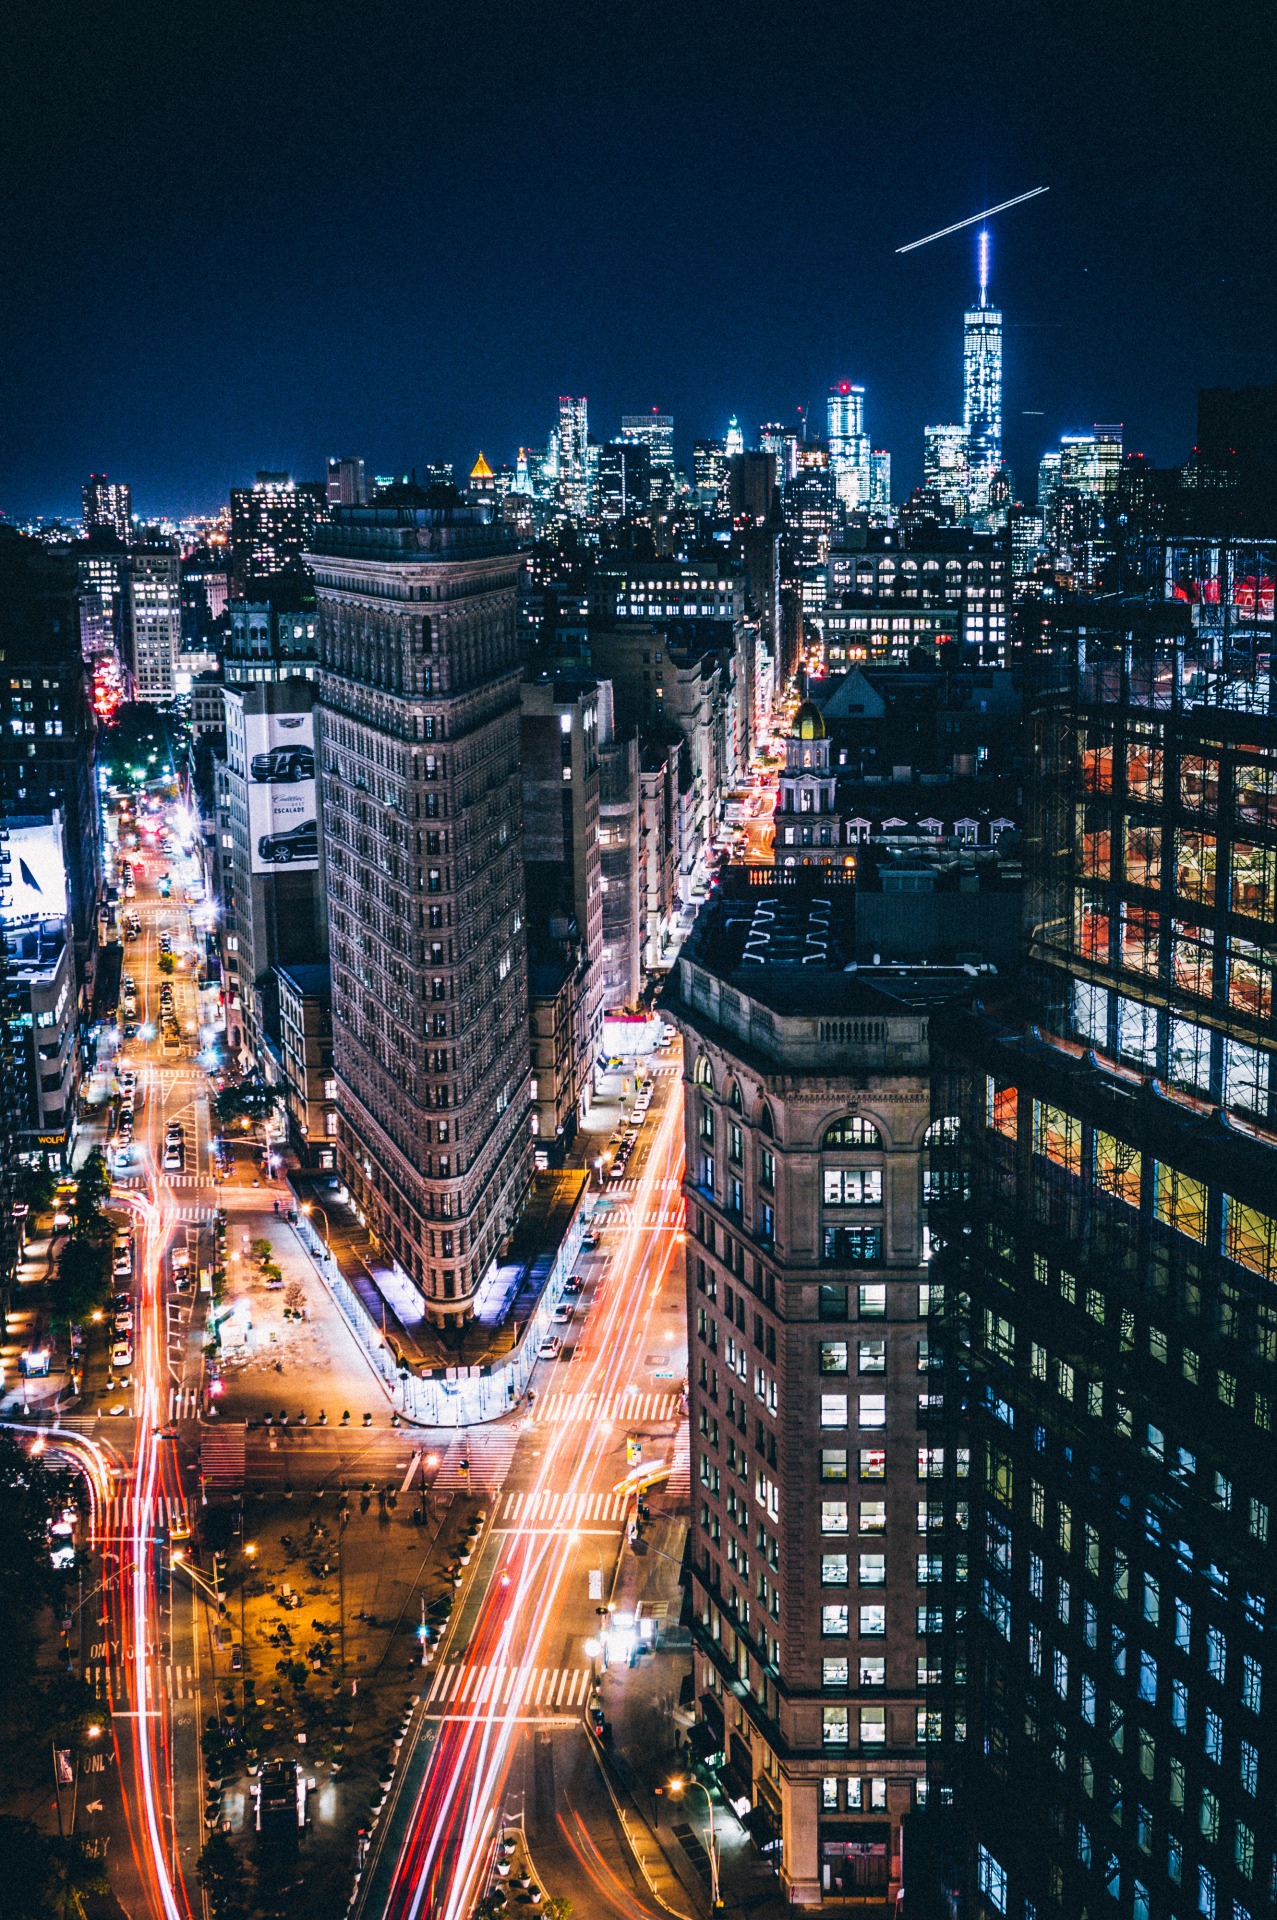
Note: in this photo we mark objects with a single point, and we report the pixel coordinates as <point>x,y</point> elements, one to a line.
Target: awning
<point>702,1740</point>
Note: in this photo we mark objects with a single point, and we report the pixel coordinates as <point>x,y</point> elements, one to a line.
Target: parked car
<point>562,1314</point>
<point>589,1239</point>
<point>122,1353</point>
<point>174,1155</point>
<point>299,843</point>
<point>122,1319</point>
<point>549,1348</point>
<point>284,763</point>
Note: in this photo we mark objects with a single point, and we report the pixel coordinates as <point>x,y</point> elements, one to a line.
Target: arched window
<point>765,1126</point>
<point>702,1075</point>
<point>736,1099</point>
<point>853,1132</point>
<point>942,1133</point>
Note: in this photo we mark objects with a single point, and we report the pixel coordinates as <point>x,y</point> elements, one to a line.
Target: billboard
<point>283,816</point>
<point>35,887</point>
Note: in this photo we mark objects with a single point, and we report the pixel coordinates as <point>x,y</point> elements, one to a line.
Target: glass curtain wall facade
<point>1104,1323</point>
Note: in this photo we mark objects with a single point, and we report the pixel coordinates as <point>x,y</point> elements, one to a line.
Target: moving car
<point>549,1348</point>
<point>174,1155</point>
<point>122,1353</point>
<point>299,843</point>
<point>562,1314</point>
<point>284,763</point>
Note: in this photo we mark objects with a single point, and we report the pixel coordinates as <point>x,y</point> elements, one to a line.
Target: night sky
<point>254,236</point>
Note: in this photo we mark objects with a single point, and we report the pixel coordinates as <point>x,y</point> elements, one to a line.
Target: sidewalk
<point>639,1703</point>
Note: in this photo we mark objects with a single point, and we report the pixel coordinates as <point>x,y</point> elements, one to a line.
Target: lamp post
<point>677,1786</point>
<point>250,1548</point>
<point>312,1207</point>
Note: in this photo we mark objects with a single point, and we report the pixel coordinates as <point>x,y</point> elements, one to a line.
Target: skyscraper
<point>271,522</point>
<point>625,479</point>
<point>346,486</point>
<point>880,481</point>
<point>982,386</point>
<point>945,464</point>
<point>655,431</point>
<point>422,799</point>
<point>574,466</point>
<point>849,460</point>
<point>1108,1340</point>
<point>108,504</point>
<point>782,443</point>
<point>153,621</point>
<point>735,442</point>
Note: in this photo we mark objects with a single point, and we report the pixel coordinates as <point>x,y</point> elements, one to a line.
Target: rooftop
<point>312,982</point>
<point>786,938</point>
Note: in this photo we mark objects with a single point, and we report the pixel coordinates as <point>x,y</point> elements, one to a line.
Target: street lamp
<point>676,1787</point>
<point>312,1207</point>
<point>593,1649</point>
<point>250,1548</point>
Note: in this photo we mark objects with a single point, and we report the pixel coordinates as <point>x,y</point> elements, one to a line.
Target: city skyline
<point>462,346</point>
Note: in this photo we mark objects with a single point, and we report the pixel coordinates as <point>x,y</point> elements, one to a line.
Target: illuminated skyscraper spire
<point>982,385</point>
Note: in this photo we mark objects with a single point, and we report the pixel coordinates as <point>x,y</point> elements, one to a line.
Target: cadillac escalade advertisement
<point>282,797</point>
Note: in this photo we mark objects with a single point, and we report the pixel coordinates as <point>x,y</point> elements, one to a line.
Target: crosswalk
<point>558,1406</point>
<point>670,1214</point>
<point>535,1689</point>
<point>124,1511</point>
<point>183,1403</point>
<point>629,1183</point>
<point>479,1459</point>
<point>562,1509</point>
<point>111,1681</point>
<point>195,1216</point>
<point>680,1480</point>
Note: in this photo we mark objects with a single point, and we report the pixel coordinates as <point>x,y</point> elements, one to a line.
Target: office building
<point>48,747</point>
<point>560,725</point>
<point>304,1061</point>
<point>619,869</point>
<point>812,512</point>
<point>272,523</point>
<point>205,590</point>
<point>782,443</point>
<point>655,431</point>
<point>346,484</point>
<point>923,586</point>
<point>709,475</point>
<point>1048,479</point>
<point>946,470</point>
<point>1091,463</point>
<point>1108,1339</point>
<point>270,833</point>
<point>272,639</point>
<point>107,506</point>
<point>735,441</point>
<point>624,480</point>
<point>40,1004</point>
<point>849,452</point>
<point>812,1553</point>
<point>573,455</point>
<point>879,482</point>
<point>982,387</point>
<point>100,566</point>
<point>422,796</point>
<point>153,622</point>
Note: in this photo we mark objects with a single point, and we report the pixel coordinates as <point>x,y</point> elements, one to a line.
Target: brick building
<point>807,1115</point>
